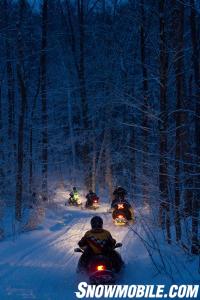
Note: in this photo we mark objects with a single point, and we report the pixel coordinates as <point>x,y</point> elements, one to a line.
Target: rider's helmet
<point>90,191</point>
<point>117,188</point>
<point>74,189</point>
<point>96,222</point>
<point>120,188</point>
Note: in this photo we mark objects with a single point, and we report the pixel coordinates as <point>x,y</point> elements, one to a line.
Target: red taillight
<point>120,206</point>
<point>101,268</point>
<point>120,217</point>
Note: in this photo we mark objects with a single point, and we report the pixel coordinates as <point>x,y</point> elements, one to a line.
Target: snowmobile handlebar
<point>118,245</point>
<point>78,250</point>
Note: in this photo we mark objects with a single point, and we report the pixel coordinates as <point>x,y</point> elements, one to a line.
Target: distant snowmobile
<point>92,201</point>
<point>75,202</point>
<point>122,213</point>
<point>74,198</point>
<point>100,269</point>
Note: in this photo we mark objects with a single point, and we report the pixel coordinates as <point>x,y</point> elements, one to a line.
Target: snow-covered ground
<point>41,264</point>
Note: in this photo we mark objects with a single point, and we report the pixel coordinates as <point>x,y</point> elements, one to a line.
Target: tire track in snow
<point>31,250</point>
<point>40,247</point>
<point>42,251</point>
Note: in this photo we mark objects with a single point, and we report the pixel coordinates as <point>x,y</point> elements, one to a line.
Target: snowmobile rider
<point>74,196</point>
<point>98,241</point>
<point>119,195</point>
<point>90,197</point>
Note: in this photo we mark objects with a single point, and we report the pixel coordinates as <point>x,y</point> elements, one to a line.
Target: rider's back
<point>97,240</point>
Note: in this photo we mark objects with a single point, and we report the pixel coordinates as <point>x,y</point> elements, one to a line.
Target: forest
<point>100,93</point>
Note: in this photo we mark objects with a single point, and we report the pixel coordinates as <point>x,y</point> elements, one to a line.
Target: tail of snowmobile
<point>100,269</point>
<point>122,215</point>
<point>95,204</point>
<point>120,220</point>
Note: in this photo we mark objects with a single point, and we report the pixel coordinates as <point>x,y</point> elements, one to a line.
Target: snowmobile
<point>100,269</point>
<point>75,200</point>
<point>121,214</point>
<point>94,203</point>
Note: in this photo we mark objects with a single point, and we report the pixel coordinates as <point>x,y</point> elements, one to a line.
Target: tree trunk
<point>195,205</point>
<point>189,160</point>
<point>164,210</point>
<point>31,159</point>
<point>178,17</point>
<point>71,130</point>
<point>10,78</point>
<point>2,171</point>
<point>108,176</point>
<point>43,79</point>
<point>81,69</point>
<point>129,96</point>
<point>20,148</point>
<point>21,121</point>
<point>144,106</point>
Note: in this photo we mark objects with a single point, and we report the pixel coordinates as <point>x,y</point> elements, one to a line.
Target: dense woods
<point>98,94</point>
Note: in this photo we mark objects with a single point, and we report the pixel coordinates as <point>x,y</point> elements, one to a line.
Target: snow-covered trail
<point>41,264</point>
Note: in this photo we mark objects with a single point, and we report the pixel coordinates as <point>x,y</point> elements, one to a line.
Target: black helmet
<point>96,222</point>
<point>74,188</point>
<point>90,191</point>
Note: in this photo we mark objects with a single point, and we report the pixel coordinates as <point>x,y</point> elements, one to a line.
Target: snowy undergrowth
<point>173,261</point>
